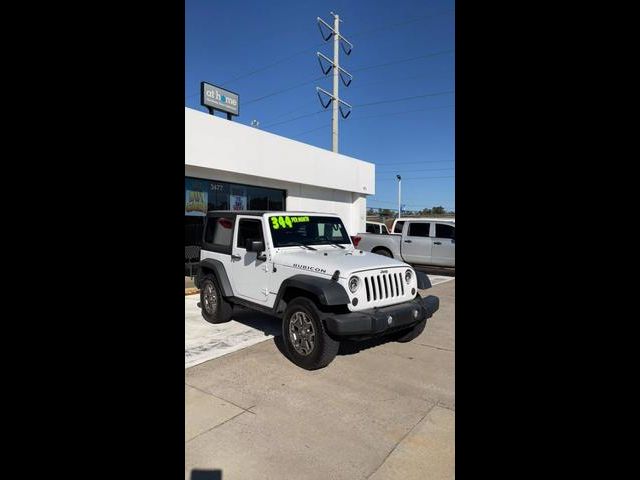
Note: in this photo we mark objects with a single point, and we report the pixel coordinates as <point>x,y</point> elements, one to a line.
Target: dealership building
<point>230,166</point>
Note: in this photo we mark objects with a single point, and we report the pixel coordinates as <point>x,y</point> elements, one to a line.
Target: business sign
<point>195,203</point>
<point>218,98</point>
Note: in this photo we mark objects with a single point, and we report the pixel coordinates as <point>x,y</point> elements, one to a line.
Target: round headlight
<point>354,284</point>
<point>407,276</point>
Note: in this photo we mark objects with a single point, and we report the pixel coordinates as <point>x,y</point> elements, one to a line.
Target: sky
<point>402,93</point>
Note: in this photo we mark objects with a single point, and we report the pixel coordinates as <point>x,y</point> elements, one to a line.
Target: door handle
<point>437,243</point>
<point>235,257</point>
<point>407,241</point>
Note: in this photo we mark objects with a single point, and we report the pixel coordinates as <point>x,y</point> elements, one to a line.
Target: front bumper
<point>381,320</point>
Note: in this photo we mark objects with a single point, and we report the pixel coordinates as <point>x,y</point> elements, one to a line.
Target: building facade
<point>230,166</point>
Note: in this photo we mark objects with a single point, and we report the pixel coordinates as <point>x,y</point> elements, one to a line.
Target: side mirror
<point>254,245</point>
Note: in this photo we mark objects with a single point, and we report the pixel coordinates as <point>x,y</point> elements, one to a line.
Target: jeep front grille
<point>382,286</point>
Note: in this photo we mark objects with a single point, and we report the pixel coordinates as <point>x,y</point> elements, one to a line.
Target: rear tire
<point>413,332</point>
<point>384,252</point>
<point>214,308</point>
<point>305,339</point>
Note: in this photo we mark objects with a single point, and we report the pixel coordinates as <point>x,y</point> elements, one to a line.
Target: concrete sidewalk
<point>386,411</point>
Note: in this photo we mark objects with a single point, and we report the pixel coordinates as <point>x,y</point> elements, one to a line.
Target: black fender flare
<point>422,280</point>
<point>218,270</point>
<point>327,291</point>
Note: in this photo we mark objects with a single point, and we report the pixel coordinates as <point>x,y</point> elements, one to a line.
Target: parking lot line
<point>205,341</point>
<point>436,279</point>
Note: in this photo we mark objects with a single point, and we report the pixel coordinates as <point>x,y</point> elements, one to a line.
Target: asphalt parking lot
<point>380,410</point>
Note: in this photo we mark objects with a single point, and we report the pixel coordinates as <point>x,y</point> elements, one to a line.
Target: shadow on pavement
<point>348,347</point>
<point>260,321</point>
<point>272,326</point>
<point>206,475</point>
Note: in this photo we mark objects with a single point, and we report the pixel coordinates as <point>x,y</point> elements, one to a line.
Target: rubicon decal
<point>309,268</point>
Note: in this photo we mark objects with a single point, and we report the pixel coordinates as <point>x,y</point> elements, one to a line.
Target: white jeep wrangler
<point>303,268</point>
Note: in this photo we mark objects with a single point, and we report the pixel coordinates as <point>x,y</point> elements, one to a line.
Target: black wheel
<point>413,332</point>
<point>214,308</point>
<point>384,252</point>
<point>305,339</point>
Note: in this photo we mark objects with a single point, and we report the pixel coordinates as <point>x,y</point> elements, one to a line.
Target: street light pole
<point>399,190</point>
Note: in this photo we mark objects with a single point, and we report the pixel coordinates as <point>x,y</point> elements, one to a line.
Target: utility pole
<point>399,190</point>
<point>338,73</point>
<point>336,66</point>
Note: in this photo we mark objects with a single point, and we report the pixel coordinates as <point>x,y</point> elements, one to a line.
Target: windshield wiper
<point>331,242</point>
<point>299,245</point>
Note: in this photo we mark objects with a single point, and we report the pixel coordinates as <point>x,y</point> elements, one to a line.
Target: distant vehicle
<point>377,227</point>
<point>396,228</point>
<point>421,241</point>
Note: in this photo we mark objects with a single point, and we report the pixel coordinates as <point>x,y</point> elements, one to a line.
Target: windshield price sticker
<point>287,222</point>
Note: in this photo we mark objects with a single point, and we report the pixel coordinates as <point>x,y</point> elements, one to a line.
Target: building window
<point>203,195</point>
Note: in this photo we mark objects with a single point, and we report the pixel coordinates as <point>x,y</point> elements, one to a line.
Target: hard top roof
<point>424,219</point>
<point>258,213</point>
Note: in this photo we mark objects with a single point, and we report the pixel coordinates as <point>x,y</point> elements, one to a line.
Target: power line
<point>293,55</point>
<point>423,75</point>
<point>305,106</point>
<point>266,67</point>
<point>427,55</point>
<point>405,98</point>
<point>284,90</point>
<point>357,70</point>
<point>372,116</point>
<point>312,130</point>
<point>261,69</point>
<point>296,118</point>
<point>402,112</point>
<point>300,52</point>
<point>405,22</point>
<point>416,178</point>
<point>424,170</point>
<point>360,105</point>
<point>413,163</point>
<point>365,105</point>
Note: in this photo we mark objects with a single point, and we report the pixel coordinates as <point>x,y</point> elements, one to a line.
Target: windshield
<point>288,231</point>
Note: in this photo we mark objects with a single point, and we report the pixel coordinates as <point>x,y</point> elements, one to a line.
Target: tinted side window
<point>219,231</point>
<point>249,229</point>
<point>398,227</point>
<point>419,229</point>
<point>445,231</point>
<point>371,228</point>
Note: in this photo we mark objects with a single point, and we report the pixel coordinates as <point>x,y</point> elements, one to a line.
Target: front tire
<point>214,308</point>
<point>305,339</point>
